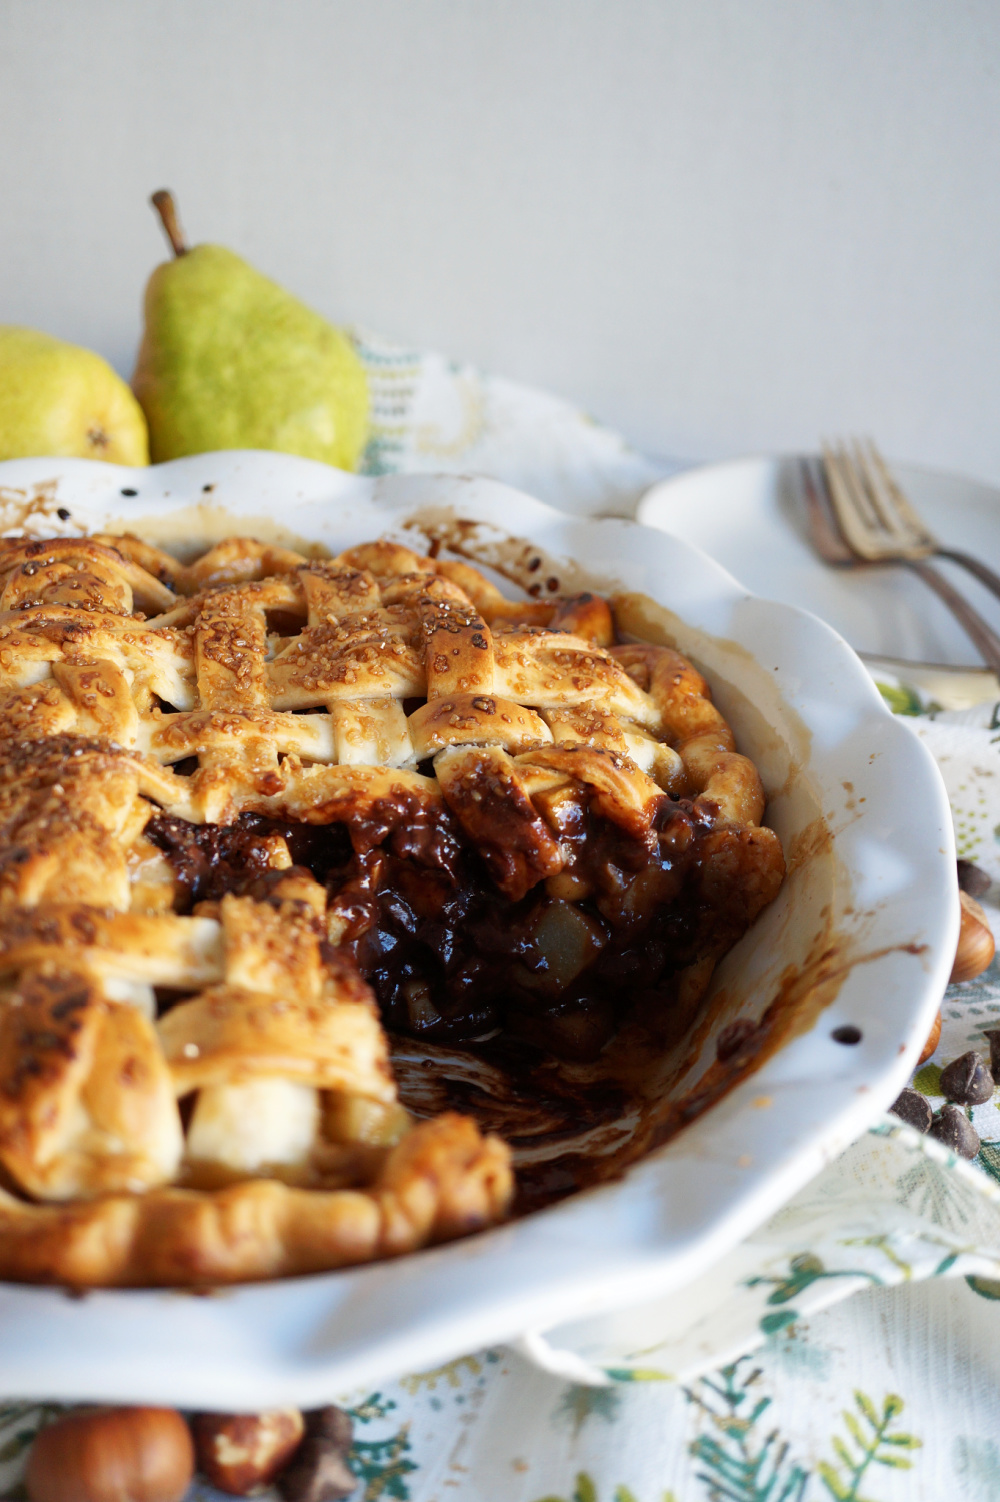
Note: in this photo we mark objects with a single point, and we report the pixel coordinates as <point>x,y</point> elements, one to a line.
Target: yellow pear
<point>230,360</point>
<point>58,400</point>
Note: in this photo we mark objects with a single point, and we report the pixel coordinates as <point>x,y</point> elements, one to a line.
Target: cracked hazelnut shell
<point>243,1452</point>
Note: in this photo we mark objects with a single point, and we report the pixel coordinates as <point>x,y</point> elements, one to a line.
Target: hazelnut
<point>975,941</point>
<point>320,1472</point>
<point>106,1454</point>
<point>243,1452</point>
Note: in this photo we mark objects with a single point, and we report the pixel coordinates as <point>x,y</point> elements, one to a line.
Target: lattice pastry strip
<point>70,808</point>
<point>86,1100</point>
<point>88,576</point>
<point>368,643</point>
<point>382,618</point>
<point>271,1011</point>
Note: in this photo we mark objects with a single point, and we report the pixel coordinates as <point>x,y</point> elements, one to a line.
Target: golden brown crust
<point>443,1181</point>
<point>84,573</point>
<point>475,720</point>
<point>86,1099</point>
<point>699,733</point>
<point>254,680</point>
<point>380,625</point>
<point>228,1035</point>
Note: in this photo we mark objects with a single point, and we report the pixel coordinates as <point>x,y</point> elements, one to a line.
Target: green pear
<point>58,400</point>
<point>230,360</point>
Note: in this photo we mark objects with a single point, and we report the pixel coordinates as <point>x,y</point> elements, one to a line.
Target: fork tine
<point>918,530</point>
<point>851,507</point>
<point>824,533</point>
<point>871,480</point>
<point>854,480</point>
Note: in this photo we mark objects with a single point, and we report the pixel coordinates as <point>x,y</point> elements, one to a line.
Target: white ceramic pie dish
<point>861,936</point>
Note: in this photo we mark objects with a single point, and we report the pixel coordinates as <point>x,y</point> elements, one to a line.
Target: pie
<point>258,809</point>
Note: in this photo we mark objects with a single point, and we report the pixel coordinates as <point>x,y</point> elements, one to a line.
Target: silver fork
<point>833,546</point>
<point>877,519</point>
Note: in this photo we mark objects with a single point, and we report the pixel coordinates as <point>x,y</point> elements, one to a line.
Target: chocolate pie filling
<point>453,959</point>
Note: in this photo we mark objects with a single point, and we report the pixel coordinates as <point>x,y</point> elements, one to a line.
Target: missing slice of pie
<point>256,810</point>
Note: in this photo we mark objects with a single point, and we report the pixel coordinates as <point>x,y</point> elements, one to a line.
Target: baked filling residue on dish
<point>256,810</point>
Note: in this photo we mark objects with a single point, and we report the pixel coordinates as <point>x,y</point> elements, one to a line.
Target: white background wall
<point>724,225</point>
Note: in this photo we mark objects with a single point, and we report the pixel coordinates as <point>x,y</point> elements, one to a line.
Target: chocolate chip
<point>319,1471</point>
<point>317,1474</point>
<point>63,514</point>
<point>331,1424</point>
<point>913,1108</point>
<point>127,490</point>
<point>952,1127</point>
<point>972,879</point>
<point>966,1080</point>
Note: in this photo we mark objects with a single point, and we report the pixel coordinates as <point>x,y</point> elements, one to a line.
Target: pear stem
<point>163,203</point>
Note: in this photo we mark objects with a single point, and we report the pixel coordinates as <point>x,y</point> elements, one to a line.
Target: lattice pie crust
<point>194,1080</point>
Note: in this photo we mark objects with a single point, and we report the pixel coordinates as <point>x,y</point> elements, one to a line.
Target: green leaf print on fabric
<point>582,1403</point>
<point>871,1441</point>
<point>783,1319</point>
<point>741,1466</point>
<point>382,1464</point>
<point>804,1269</point>
<point>928,1080</point>
<point>586,1491</point>
<point>932,1191</point>
<point>987,1288</point>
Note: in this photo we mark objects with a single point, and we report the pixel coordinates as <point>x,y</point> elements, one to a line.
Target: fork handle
<point>983,573</point>
<point>978,631</point>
